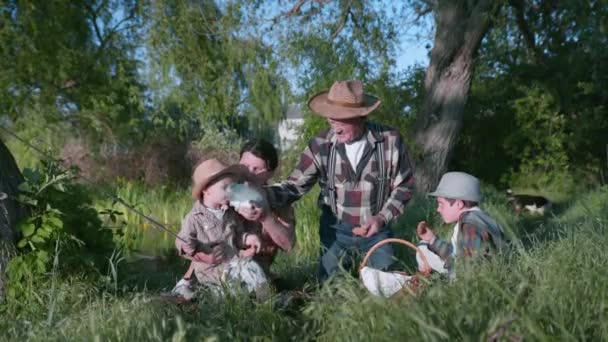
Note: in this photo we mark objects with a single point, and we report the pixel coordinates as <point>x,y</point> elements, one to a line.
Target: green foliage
<point>224,145</point>
<point>541,131</point>
<point>166,204</point>
<point>208,67</point>
<point>537,115</point>
<point>331,41</point>
<point>69,69</point>
<point>65,62</point>
<point>550,288</point>
<point>62,220</point>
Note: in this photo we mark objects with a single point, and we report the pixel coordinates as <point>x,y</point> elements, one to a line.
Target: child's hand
<point>253,244</point>
<point>425,232</point>
<point>252,211</point>
<point>214,258</point>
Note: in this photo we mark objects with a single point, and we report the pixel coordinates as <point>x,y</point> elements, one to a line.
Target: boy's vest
<point>479,219</point>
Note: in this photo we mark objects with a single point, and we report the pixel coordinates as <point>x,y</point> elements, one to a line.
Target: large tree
<point>460,27</point>
<point>11,211</point>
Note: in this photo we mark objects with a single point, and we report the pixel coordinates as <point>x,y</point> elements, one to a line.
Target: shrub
<point>224,145</point>
<point>158,160</point>
<point>64,222</point>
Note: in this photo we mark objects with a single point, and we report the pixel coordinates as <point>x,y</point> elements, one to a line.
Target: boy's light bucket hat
<point>458,185</point>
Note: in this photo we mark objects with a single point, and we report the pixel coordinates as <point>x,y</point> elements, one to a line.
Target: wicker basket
<point>413,285</point>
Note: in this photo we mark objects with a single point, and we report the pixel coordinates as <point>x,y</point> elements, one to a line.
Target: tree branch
<point>347,13</point>
<point>103,40</point>
<point>297,7</point>
<point>93,13</point>
<point>480,21</point>
<point>426,7</point>
<point>518,7</point>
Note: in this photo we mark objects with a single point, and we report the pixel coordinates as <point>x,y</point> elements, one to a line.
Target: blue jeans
<point>339,244</point>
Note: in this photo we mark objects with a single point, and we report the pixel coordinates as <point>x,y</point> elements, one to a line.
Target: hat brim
<point>319,104</point>
<point>239,171</point>
<point>476,199</point>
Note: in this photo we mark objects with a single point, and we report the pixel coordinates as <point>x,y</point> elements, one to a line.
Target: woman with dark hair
<point>277,225</point>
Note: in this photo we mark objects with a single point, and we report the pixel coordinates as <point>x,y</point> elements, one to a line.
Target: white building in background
<point>288,127</point>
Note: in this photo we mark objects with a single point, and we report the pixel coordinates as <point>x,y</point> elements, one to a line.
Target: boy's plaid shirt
<point>356,191</point>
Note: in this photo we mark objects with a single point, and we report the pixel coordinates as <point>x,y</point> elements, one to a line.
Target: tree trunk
<point>460,27</point>
<point>10,210</point>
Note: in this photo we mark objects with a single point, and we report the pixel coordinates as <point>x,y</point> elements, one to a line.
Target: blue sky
<point>415,38</point>
<point>412,52</point>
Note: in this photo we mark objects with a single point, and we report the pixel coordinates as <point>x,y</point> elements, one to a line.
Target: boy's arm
<point>442,248</point>
<point>186,245</point>
<point>189,247</point>
<point>471,240</point>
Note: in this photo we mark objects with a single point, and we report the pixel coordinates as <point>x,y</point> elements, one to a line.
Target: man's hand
<point>214,258</point>
<point>425,232</point>
<point>359,231</point>
<point>371,227</point>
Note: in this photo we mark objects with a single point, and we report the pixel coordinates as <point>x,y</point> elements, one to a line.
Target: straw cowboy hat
<point>344,100</point>
<point>210,170</point>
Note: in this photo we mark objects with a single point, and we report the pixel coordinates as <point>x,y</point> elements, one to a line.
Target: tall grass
<point>549,286</point>
<point>164,204</point>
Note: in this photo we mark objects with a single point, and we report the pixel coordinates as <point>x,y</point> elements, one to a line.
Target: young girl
<point>213,235</point>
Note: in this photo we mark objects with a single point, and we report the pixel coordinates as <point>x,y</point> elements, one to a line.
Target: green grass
<point>550,286</point>
<point>164,204</point>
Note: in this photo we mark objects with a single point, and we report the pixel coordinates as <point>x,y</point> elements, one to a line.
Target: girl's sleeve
<point>186,244</point>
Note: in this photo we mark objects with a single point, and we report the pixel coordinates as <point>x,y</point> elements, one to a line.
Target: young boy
<point>213,236</point>
<point>475,232</point>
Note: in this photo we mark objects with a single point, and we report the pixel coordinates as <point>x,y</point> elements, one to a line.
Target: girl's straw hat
<point>210,170</point>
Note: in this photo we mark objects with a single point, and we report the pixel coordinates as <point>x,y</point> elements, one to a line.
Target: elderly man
<point>364,173</point>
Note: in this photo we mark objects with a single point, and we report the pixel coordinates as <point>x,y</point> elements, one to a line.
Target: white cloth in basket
<point>381,283</point>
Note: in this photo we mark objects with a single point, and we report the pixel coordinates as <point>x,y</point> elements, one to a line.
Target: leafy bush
<point>63,222</point>
<point>221,144</point>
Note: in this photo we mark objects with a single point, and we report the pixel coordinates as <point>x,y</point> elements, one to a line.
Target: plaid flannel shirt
<point>355,190</point>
